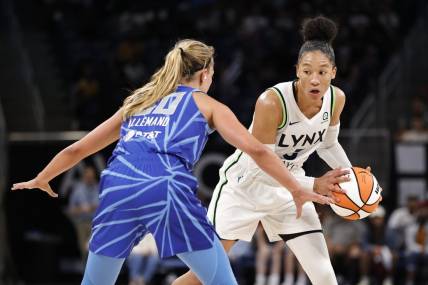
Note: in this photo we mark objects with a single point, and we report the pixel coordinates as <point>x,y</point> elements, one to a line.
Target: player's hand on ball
<point>301,197</point>
<point>35,184</point>
<point>328,183</point>
<point>362,196</point>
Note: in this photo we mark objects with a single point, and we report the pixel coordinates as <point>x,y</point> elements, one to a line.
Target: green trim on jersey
<point>284,107</point>
<point>333,101</point>
<point>222,185</point>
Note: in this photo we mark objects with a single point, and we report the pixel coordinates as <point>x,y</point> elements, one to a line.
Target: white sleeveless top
<point>296,139</point>
<point>297,136</point>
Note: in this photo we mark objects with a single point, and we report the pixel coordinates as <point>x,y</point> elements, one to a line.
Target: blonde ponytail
<point>186,58</point>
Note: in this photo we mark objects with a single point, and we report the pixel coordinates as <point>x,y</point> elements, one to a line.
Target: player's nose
<point>315,81</point>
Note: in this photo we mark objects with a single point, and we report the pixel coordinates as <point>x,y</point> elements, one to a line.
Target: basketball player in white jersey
<point>294,119</point>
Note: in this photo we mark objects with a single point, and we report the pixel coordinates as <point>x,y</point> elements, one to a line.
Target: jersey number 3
<point>293,155</point>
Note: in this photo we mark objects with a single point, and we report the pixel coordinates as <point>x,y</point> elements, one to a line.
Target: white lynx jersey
<point>297,136</point>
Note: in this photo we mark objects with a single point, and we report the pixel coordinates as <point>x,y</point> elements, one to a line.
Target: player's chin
<point>314,95</point>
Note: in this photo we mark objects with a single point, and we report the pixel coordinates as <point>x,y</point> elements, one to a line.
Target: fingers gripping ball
<point>362,196</point>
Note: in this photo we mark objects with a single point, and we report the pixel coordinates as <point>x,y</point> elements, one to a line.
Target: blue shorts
<point>156,194</point>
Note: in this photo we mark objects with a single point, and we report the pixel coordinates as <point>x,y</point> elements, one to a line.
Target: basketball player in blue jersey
<point>294,119</point>
<point>148,184</point>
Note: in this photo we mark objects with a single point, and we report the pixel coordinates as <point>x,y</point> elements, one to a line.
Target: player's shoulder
<point>282,87</point>
<point>267,103</point>
<point>203,98</point>
<point>271,100</point>
<point>338,103</point>
<point>339,99</point>
<point>273,94</point>
<point>206,104</point>
<point>339,94</point>
<point>268,98</point>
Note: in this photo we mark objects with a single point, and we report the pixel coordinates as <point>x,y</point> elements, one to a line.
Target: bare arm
<point>267,117</point>
<point>103,135</point>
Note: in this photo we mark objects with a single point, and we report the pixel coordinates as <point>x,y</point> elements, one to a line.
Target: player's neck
<point>191,83</point>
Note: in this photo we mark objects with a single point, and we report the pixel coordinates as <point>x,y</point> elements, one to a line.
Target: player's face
<point>315,72</point>
<point>207,77</point>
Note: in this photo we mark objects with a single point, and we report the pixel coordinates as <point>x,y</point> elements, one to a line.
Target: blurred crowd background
<point>67,65</point>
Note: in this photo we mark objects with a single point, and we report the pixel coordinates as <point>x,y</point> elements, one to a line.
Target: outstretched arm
<point>103,135</point>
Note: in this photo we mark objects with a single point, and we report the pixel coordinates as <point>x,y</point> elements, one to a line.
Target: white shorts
<point>235,212</point>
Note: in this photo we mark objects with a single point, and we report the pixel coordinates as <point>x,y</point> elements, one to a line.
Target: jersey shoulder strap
<point>332,100</point>
<point>280,95</point>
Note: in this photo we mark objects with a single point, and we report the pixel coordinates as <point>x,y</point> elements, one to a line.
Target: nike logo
<point>239,177</point>
<point>292,123</point>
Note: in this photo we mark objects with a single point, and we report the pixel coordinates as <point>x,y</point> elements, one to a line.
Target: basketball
<point>362,195</point>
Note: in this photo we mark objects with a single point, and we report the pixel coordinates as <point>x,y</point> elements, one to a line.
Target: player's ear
<point>297,70</point>
<point>201,76</point>
<point>334,72</point>
<point>204,75</point>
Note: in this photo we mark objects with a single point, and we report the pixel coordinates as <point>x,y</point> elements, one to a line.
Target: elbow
<point>258,151</point>
<point>73,150</point>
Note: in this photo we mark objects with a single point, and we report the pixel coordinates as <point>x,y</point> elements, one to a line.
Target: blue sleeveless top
<point>148,185</point>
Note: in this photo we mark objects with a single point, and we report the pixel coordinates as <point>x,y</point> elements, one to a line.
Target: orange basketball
<point>362,195</point>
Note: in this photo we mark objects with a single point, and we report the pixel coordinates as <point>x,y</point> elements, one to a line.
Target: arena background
<point>66,65</point>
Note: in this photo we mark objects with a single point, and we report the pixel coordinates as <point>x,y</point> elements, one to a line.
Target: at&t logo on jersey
<point>150,117</point>
<point>136,134</point>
